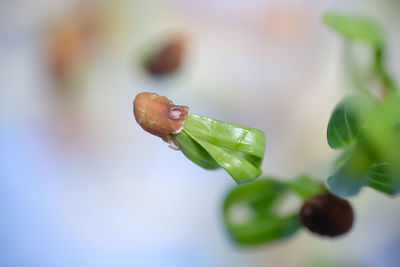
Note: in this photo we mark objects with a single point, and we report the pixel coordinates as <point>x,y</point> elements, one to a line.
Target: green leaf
<point>264,231</point>
<point>348,182</point>
<point>366,129</point>
<point>306,187</point>
<point>374,159</point>
<point>345,122</point>
<point>260,194</point>
<point>210,143</point>
<point>343,126</point>
<point>363,29</point>
<point>381,130</point>
<point>238,167</point>
<point>195,152</point>
<point>233,137</point>
<point>250,210</point>
<point>352,174</point>
<point>382,137</point>
<point>359,168</point>
<point>381,179</point>
<point>355,28</point>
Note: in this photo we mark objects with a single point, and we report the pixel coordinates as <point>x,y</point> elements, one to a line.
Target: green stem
<point>387,81</point>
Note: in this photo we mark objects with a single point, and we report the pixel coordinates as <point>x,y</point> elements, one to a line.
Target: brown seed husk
<point>327,215</point>
<point>158,115</point>
<point>168,59</point>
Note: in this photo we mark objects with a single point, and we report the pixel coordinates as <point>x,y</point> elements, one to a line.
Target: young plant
<point>363,126</point>
<point>366,128</point>
<point>251,211</point>
<point>209,143</point>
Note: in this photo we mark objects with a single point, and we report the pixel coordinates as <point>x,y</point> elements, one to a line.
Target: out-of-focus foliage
<point>211,143</point>
<point>355,28</point>
<point>250,211</point>
<point>373,159</point>
<point>364,30</point>
<point>367,128</point>
<point>345,122</point>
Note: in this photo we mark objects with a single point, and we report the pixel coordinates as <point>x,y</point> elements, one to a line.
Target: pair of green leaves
<point>368,133</point>
<point>212,144</point>
<point>250,211</point>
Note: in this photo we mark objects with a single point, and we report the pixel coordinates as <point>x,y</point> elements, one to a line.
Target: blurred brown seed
<point>168,59</point>
<point>70,39</point>
<point>65,47</point>
<point>327,215</point>
<point>158,115</point>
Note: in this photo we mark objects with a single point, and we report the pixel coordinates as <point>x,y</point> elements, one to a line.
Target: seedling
<point>364,126</point>
<point>209,143</point>
<point>261,200</point>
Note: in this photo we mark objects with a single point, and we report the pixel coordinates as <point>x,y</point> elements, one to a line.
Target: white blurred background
<point>81,184</point>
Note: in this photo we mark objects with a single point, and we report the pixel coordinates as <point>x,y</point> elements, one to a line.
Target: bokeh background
<point>81,184</point>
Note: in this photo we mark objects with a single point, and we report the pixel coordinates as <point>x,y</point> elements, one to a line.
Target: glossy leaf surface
<point>226,135</point>
<point>195,152</point>
<point>211,143</point>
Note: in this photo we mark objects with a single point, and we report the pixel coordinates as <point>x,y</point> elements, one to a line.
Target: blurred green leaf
<point>265,230</point>
<point>355,28</point>
<point>380,178</point>
<point>374,160</point>
<point>358,172</point>
<point>305,187</point>
<point>250,210</point>
<point>381,130</point>
<point>382,136</point>
<point>343,127</point>
<point>345,122</point>
<point>352,174</point>
<point>368,130</point>
<point>211,143</point>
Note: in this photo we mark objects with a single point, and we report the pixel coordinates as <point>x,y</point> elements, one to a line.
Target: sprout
<point>207,142</point>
